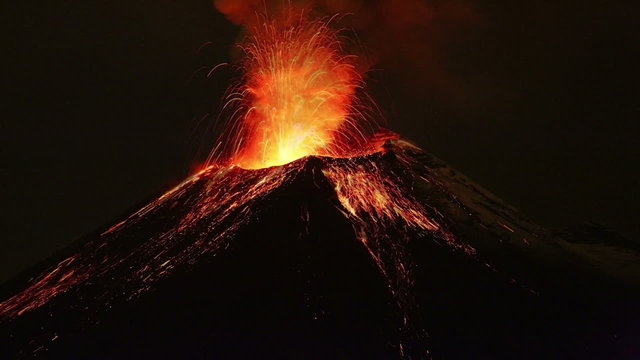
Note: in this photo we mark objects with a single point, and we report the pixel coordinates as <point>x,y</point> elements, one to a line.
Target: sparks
<point>298,96</point>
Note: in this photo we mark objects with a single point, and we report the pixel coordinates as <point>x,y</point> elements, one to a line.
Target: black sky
<point>105,107</point>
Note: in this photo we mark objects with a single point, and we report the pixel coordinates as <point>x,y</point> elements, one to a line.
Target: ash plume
<point>408,34</point>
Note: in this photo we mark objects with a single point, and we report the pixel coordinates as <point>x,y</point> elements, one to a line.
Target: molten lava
<point>298,96</point>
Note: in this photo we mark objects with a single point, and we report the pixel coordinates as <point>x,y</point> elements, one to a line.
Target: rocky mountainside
<point>387,255</point>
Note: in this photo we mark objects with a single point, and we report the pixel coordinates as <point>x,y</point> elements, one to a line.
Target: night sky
<point>107,106</point>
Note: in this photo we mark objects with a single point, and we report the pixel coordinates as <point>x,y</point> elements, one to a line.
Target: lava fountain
<point>298,97</point>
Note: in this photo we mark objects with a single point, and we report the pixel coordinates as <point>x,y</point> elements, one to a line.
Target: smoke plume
<point>401,34</point>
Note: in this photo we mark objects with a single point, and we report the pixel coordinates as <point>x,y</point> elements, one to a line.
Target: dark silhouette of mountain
<point>389,255</point>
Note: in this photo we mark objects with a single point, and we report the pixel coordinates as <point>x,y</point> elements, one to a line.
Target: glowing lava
<point>298,96</point>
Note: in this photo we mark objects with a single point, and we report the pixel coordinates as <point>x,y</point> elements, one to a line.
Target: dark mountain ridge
<point>387,255</point>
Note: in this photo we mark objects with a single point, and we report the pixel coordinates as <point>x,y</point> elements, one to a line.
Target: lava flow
<point>202,217</point>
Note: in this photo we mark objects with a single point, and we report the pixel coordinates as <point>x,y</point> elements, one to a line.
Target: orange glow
<point>298,97</point>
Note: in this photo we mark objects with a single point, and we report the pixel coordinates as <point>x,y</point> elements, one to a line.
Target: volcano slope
<point>391,255</point>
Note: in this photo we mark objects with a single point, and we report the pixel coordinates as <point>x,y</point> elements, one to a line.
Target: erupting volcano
<point>316,234</point>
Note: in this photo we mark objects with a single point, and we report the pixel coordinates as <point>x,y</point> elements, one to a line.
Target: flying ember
<point>298,96</point>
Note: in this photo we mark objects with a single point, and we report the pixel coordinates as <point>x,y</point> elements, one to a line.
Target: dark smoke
<point>412,35</point>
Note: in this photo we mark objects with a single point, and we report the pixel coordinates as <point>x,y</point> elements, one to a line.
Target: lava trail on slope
<point>201,219</point>
<point>319,258</point>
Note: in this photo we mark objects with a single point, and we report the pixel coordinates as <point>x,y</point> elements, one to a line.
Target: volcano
<point>313,233</point>
<point>387,255</point>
